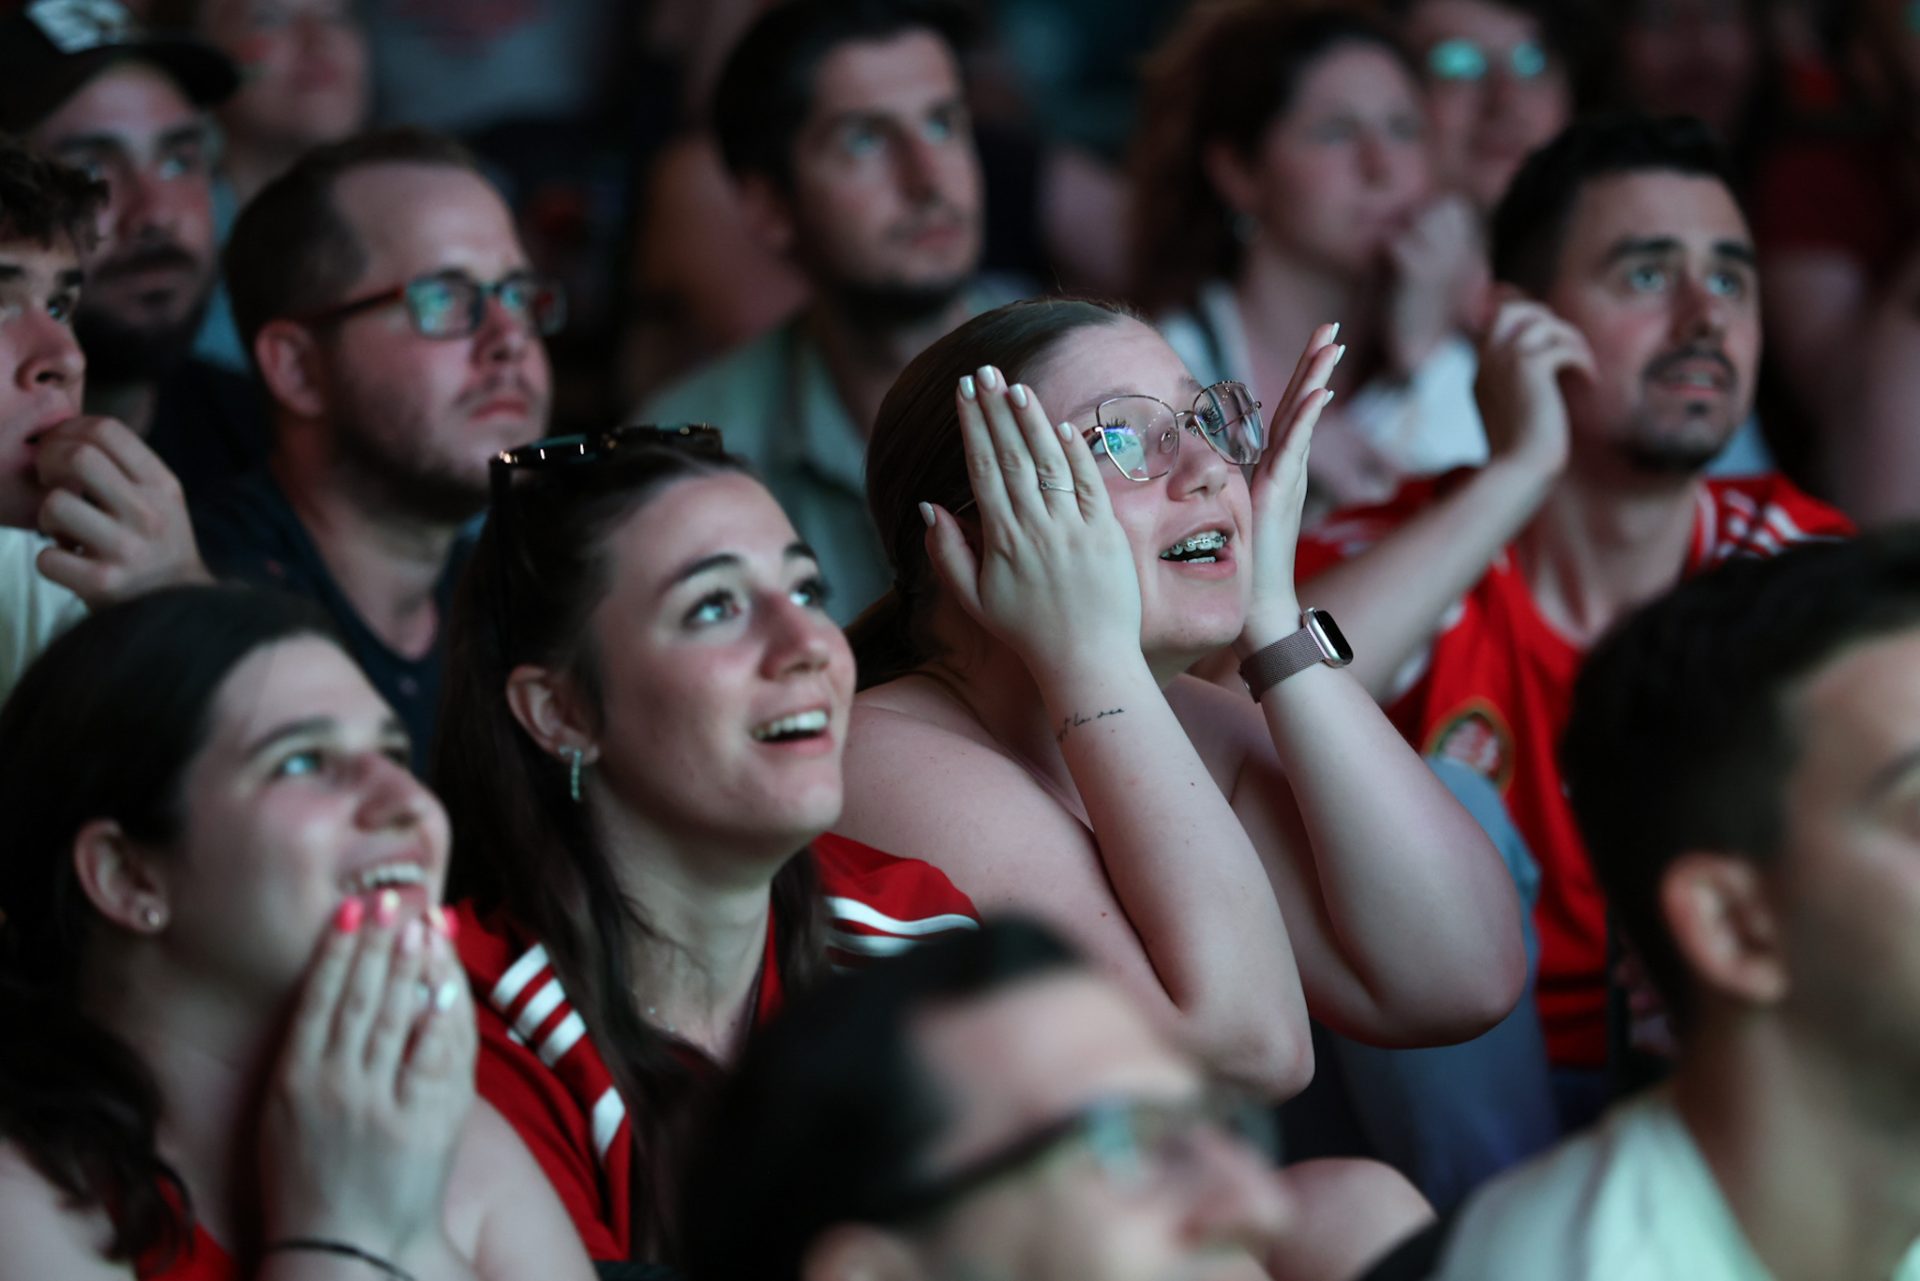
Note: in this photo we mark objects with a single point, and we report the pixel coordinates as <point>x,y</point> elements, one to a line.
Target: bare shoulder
<point>46,1235</point>
<point>501,1212</point>
<point>924,780</point>
<point>1225,727</point>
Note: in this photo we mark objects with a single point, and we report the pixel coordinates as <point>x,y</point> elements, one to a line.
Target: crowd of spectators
<point>927,640</point>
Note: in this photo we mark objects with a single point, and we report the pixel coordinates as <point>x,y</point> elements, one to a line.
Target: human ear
<point>1724,925</point>
<point>548,706</point>
<point>120,879</point>
<point>288,356</point>
<point>1231,175</point>
<point>860,1252</point>
<point>767,212</point>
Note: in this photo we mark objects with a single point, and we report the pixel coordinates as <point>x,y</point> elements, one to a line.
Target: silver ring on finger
<point>1048,487</point>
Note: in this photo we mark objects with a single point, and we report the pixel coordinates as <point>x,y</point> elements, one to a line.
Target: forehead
<point>289,680</point>
<point>129,100</point>
<point>1860,710</point>
<point>1353,71</point>
<point>1038,1050</point>
<point>702,515</point>
<point>38,262</point>
<point>1691,208</point>
<point>898,74</point>
<point>1120,358</point>
<point>417,218</point>
<point>1474,19</point>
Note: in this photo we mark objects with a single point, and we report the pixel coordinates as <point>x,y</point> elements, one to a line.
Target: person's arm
<point>523,1230</point>
<point>116,514</point>
<point>1390,598</point>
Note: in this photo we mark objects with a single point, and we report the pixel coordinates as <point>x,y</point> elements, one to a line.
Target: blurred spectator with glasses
<point>1282,177</point>
<point>1499,83</point>
<point>89,87</point>
<point>991,1106</point>
<point>390,310</point>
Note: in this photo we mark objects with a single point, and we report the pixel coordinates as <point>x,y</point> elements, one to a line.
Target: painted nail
<point>347,919</point>
<point>989,377</point>
<point>422,996</point>
<point>448,922</point>
<point>1336,331</point>
<point>1065,430</point>
<point>966,386</point>
<point>413,936</point>
<point>386,908</point>
<point>1329,399</point>
<point>926,514</point>
<point>1018,395</point>
<point>1339,353</point>
<point>446,994</point>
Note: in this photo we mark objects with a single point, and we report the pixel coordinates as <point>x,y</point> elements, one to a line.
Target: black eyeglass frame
<point>556,452</point>
<point>408,293</point>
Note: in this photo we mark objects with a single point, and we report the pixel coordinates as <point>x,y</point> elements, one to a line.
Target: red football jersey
<point>202,1260</point>
<point>1495,687</point>
<point>545,1075</point>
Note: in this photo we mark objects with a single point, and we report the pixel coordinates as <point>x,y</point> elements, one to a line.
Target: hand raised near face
<point>1439,274</point>
<point>1050,570</point>
<point>373,1086</point>
<point>1278,489</point>
<point>115,513</point>
<point>1524,355</point>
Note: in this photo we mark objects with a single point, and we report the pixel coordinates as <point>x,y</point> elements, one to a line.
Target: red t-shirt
<point>1494,689</point>
<point>202,1260</point>
<point>545,1075</point>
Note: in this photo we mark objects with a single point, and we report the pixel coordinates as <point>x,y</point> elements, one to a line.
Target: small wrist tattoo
<point>1076,720</point>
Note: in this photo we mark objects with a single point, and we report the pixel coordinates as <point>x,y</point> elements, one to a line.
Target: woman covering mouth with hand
<point>645,712</point>
<point>241,1042</point>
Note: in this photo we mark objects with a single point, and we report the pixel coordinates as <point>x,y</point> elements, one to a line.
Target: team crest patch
<point>1476,736</point>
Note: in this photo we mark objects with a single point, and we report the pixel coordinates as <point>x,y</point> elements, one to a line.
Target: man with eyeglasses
<point>1497,85</point>
<point>89,87</point>
<point>1622,359</point>
<point>988,1106</point>
<point>389,307</point>
<point>845,127</point>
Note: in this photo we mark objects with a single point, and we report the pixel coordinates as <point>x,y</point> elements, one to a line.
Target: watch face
<point>1333,641</point>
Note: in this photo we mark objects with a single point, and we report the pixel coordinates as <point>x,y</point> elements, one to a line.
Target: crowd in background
<point>960,638</point>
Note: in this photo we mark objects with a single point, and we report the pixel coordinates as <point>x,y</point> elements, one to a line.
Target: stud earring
<point>575,755</point>
<point>150,917</point>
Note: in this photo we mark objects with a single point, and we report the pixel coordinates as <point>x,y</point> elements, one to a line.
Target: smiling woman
<point>1027,725</point>
<point>218,915</point>
<point>646,709</point>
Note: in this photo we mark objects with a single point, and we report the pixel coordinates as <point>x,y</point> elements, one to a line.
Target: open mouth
<point>796,728</point>
<point>396,874</point>
<point>1203,548</point>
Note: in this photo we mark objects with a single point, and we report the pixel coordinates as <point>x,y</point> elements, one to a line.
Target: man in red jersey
<point>1621,359</point>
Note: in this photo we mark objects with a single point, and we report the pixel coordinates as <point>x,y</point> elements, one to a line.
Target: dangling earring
<point>573,773</point>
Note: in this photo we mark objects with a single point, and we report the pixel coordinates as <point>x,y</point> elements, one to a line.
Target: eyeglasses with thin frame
<point>452,304</point>
<point>1137,1145</point>
<point>1463,60</point>
<point>1140,435</point>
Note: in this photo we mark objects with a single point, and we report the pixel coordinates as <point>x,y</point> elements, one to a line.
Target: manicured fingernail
<point>347,919</point>
<point>1339,353</point>
<point>1335,332</point>
<point>446,994</point>
<point>1065,430</point>
<point>1329,396</point>
<point>413,936</point>
<point>386,909</point>
<point>1018,395</point>
<point>422,996</point>
<point>448,922</point>
<point>926,514</point>
<point>966,386</point>
<point>989,377</point>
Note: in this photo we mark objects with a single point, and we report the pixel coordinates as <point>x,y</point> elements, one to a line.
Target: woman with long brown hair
<point>646,706</point>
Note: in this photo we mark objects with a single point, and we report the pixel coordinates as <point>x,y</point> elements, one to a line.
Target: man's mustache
<point>141,258</point>
<point>1662,365</point>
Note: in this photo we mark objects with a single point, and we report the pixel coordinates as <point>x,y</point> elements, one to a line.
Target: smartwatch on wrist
<point>1319,640</point>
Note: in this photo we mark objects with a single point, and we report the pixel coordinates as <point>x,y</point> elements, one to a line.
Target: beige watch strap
<point>1267,667</point>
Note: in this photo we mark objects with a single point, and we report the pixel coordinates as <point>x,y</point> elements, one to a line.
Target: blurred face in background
<point>1494,91</point>
<point>1344,168</point>
<point>303,70</point>
<point>1691,58</point>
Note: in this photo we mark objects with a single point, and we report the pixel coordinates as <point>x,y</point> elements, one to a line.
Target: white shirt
<point>32,610</point>
<point>1630,1200</point>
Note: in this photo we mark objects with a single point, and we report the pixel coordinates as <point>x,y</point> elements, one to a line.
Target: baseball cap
<point>49,48</point>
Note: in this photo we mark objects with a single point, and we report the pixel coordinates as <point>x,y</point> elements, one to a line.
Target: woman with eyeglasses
<point>1283,174</point>
<point>646,710</point>
<point>238,1040</point>
<point>1026,724</point>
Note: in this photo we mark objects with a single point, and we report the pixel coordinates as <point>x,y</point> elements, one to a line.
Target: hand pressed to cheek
<point>1278,491</point>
